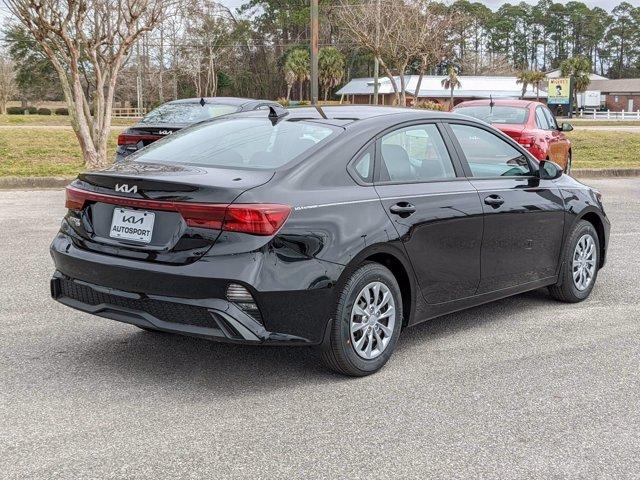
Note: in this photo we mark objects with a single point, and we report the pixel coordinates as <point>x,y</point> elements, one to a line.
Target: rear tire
<point>366,323</point>
<point>580,262</point>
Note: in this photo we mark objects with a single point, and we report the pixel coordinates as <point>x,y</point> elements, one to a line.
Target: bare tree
<point>376,27</point>
<point>398,33</point>
<point>433,38</point>
<point>208,27</point>
<point>92,36</point>
<point>7,82</point>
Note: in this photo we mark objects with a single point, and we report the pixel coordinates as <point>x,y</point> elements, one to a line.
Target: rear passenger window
<point>488,155</point>
<point>541,119</point>
<point>551,120</point>
<point>415,154</point>
<point>364,167</point>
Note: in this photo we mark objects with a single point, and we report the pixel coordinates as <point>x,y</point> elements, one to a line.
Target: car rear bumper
<point>214,319</point>
<point>190,299</point>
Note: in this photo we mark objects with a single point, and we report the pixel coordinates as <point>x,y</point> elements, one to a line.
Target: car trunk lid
<point>155,212</point>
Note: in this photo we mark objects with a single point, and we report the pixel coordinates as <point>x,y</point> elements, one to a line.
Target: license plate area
<point>136,225</point>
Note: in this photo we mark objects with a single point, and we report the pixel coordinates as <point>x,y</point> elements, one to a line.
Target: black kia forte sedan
<point>336,228</point>
<point>173,116</point>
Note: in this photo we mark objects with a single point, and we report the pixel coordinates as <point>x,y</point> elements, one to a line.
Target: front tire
<point>580,261</point>
<point>366,323</point>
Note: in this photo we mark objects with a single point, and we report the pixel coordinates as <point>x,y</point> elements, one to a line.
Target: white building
<point>360,90</point>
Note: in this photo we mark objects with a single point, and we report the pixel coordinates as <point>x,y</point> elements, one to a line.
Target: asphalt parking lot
<point>522,388</point>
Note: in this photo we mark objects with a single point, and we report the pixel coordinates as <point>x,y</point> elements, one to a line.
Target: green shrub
<point>44,111</point>
<point>32,110</point>
<point>15,110</point>
<point>303,103</point>
<point>283,101</point>
<point>62,111</point>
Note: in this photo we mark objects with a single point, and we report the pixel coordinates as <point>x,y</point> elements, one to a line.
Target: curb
<point>605,172</point>
<point>8,183</point>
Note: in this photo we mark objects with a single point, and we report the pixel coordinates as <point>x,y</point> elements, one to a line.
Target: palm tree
<point>297,64</point>
<point>578,69</point>
<point>450,82</point>
<point>524,77</point>
<point>290,79</point>
<point>536,78</point>
<point>330,68</point>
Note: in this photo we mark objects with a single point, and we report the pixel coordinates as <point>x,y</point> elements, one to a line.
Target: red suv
<point>531,124</point>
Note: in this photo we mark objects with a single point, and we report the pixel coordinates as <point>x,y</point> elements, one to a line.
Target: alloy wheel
<point>373,317</point>
<point>584,262</point>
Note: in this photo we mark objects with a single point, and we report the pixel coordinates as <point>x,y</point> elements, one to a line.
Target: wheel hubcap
<point>584,262</point>
<point>373,317</point>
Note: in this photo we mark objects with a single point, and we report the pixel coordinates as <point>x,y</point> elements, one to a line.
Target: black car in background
<point>173,116</point>
<point>337,228</point>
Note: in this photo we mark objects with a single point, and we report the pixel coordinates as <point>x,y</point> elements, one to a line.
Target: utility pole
<point>314,51</point>
<point>376,64</point>
<point>140,99</point>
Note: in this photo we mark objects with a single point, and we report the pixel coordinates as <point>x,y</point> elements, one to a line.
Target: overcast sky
<point>606,4</point>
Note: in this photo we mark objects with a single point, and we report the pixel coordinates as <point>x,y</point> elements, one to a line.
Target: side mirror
<point>549,170</point>
<point>566,127</point>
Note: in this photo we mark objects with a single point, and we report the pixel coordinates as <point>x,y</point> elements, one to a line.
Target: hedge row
<point>34,111</point>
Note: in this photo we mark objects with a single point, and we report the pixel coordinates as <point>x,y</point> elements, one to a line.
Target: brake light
<point>526,142</point>
<point>252,218</point>
<point>256,219</point>
<point>134,139</point>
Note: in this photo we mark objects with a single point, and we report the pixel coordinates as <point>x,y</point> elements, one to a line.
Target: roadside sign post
<point>560,94</point>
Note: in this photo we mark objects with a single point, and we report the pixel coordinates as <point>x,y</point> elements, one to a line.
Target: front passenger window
<point>415,154</point>
<point>488,155</point>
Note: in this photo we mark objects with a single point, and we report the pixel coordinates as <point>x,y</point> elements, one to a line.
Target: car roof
<point>222,100</point>
<point>347,114</point>
<point>504,102</point>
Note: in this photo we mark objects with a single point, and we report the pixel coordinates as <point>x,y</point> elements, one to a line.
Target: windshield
<point>497,114</point>
<point>187,112</point>
<point>238,143</point>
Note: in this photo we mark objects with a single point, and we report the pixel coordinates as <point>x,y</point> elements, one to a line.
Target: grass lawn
<point>55,152</point>
<point>41,153</point>
<point>605,149</point>
<point>601,123</point>
<point>53,120</point>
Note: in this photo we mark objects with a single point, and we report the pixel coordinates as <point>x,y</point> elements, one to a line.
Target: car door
<point>561,141</point>
<point>434,209</point>
<point>546,135</point>
<point>523,215</point>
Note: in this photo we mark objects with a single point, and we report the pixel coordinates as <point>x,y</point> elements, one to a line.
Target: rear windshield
<point>187,112</point>
<point>497,114</point>
<point>238,143</point>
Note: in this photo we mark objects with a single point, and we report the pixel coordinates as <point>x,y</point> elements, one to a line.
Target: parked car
<point>172,116</point>
<point>337,228</point>
<point>531,124</point>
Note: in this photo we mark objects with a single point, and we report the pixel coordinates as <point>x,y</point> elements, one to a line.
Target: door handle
<point>494,200</point>
<point>403,209</point>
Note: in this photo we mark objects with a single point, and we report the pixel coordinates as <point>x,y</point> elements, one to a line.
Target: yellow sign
<point>559,91</point>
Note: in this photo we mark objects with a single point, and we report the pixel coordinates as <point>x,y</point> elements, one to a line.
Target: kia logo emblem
<point>165,132</point>
<point>132,219</point>
<point>126,188</point>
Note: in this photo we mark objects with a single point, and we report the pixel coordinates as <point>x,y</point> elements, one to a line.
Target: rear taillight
<point>125,139</point>
<point>526,142</point>
<point>256,219</point>
<point>252,218</point>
